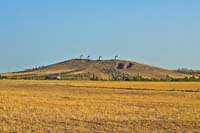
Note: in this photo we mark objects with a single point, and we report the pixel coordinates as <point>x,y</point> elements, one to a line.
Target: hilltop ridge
<point>100,69</point>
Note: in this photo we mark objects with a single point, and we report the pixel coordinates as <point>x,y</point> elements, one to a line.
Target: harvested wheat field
<point>89,106</point>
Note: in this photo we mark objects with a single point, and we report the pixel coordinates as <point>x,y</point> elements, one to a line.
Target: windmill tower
<point>116,56</point>
<point>100,57</point>
<point>81,56</point>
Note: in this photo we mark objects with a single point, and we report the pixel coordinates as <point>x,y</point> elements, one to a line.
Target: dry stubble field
<point>86,106</point>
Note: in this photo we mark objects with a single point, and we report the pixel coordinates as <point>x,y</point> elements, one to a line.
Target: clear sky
<point>164,33</point>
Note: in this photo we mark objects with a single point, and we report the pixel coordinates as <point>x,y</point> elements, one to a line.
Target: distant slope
<point>189,71</point>
<point>104,69</point>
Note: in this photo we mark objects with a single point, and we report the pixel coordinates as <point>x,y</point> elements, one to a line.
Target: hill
<point>189,71</point>
<point>95,69</point>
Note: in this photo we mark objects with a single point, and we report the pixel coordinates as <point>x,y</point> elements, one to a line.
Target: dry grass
<point>84,106</point>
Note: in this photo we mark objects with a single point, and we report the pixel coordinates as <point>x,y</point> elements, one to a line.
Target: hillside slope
<point>104,69</point>
<point>189,71</point>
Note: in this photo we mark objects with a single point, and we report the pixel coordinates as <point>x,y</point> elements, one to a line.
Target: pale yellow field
<point>86,106</point>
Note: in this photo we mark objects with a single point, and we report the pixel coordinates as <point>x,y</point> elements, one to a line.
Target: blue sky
<point>163,33</point>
